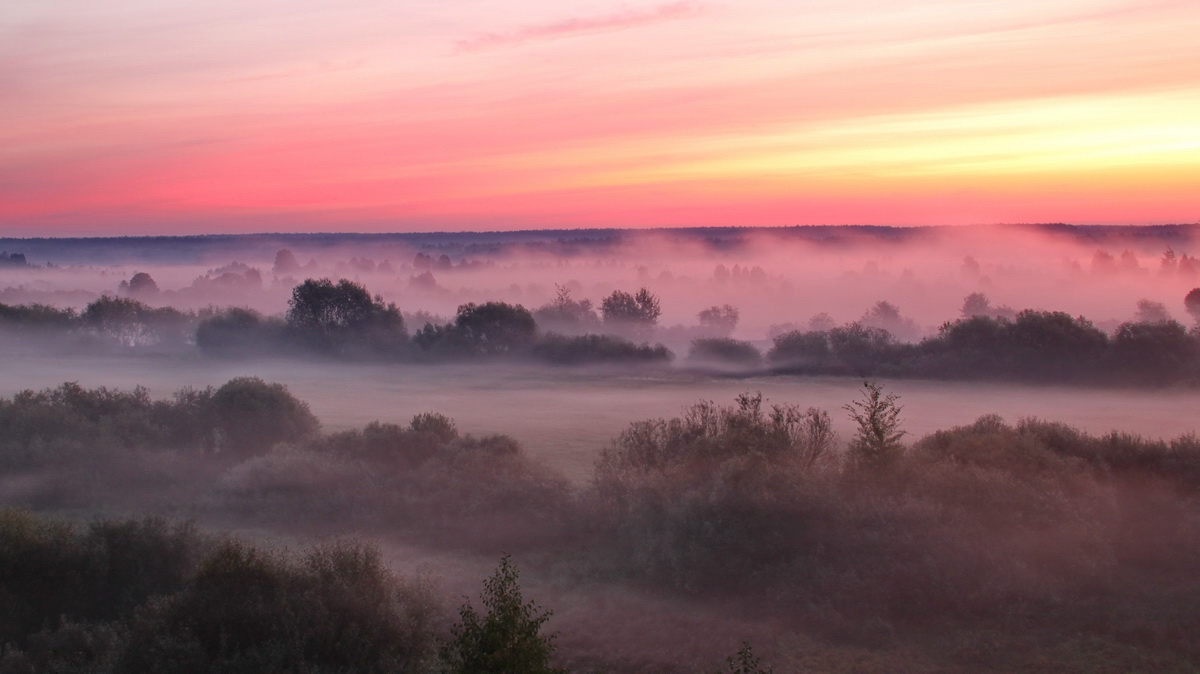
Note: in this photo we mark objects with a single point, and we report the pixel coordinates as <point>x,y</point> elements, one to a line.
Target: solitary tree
<point>508,638</point>
<point>877,442</point>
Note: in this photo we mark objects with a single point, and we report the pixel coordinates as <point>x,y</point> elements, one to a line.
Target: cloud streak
<point>621,20</point>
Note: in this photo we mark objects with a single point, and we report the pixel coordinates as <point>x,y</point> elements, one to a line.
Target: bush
<point>337,609</point>
<point>239,332</point>
<point>723,350</point>
<point>253,415</point>
<point>589,349</point>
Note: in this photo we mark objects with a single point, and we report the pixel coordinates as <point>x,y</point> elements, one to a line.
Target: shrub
<point>337,609</point>
<point>253,415</point>
<point>588,349</point>
<point>724,350</point>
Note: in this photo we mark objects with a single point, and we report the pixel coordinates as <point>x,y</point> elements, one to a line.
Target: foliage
<point>1191,302</point>
<point>746,662</point>
<point>719,321</point>
<point>637,313</point>
<point>130,323</point>
<point>724,350</point>
<point>876,443</point>
<point>588,349</point>
<point>141,284</point>
<point>507,638</point>
<point>344,319</point>
<point>493,328</point>
<point>566,315</point>
<point>237,331</point>
<point>252,415</point>
<point>708,432</point>
<point>247,609</point>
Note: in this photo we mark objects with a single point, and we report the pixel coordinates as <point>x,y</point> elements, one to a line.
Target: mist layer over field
<point>773,277</point>
<point>1013,526</point>
<point>566,417</point>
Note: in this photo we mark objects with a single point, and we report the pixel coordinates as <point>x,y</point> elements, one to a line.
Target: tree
<point>877,441</point>
<point>507,639</point>
<point>286,262</point>
<point>636,313</point>
<point>495,327</point>
<point>344,317</point>
<point>253,415</point>
<point>566,315</point>
<point>140,285</point>
<point>1191,301</point>
<point>719,321</point>
<point>746,662</point>
<point>1149,311</point>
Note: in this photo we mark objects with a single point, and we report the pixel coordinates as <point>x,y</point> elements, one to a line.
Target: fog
<point>659,507</point>
<point>772,277</point>
<point>566,418</point>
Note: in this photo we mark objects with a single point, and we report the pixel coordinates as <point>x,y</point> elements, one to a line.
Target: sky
<point>210,116</point>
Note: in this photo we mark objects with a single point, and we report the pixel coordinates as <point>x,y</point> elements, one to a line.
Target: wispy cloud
<point>620,20</point>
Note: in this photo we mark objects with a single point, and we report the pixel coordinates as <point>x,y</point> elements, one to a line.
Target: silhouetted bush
<point>252,415</point>
<point>337,609</point>
<point>597,349</point>
<point>52,574</point>
<point>723,350</point>
<point>239,332</point>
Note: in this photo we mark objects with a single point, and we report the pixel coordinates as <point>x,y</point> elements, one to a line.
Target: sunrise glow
<point>182,117</point>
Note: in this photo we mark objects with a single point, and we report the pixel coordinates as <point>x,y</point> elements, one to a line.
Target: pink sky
<point>189,116</point>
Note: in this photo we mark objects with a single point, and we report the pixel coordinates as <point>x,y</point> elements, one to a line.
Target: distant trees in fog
<point>343,319</point>
<point>1033,345</point>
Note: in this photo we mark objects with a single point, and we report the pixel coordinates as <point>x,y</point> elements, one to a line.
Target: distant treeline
<point>990,531</point>
<point>343,320</point>
<point>1041,346</point>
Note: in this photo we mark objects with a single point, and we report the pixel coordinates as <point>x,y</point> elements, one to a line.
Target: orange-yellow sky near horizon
<point>182,116</point>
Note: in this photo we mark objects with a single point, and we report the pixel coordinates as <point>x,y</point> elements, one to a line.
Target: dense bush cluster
<point>71,424</point>
<point>152,596</point>
<point>1037,524</point>
<point>344,320</point>
<point>1019,528</point>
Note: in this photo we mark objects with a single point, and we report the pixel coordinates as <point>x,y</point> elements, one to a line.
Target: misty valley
<point>714,450</point>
